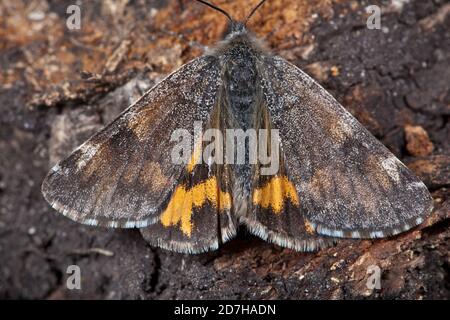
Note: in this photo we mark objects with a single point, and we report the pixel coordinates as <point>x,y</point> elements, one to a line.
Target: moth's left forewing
<point>349,184</point>
<point>124,174</point>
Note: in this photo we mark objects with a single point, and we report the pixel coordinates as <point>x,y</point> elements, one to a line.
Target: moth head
<point>234,27</point>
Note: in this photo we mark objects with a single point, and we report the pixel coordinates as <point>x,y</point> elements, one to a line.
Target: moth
<point>334,179</point>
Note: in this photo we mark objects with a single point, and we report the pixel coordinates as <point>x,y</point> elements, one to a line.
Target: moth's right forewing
<point>123,175</point>
<point>349,184</point>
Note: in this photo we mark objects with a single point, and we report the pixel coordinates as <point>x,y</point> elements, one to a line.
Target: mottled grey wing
<point>123,175</point>
<point>349,183</point>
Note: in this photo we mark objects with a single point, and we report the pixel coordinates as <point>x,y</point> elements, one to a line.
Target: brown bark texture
<point>58,86</point>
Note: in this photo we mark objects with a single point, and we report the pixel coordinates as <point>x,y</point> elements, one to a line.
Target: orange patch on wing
<point>275,193</point>
<point>183,202</point>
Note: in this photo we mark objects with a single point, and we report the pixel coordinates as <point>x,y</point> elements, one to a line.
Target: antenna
<point>253,11</point>
<point>216,8</point>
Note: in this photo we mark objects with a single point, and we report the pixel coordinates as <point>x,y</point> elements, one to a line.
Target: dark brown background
<point>59,86</point>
